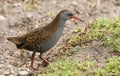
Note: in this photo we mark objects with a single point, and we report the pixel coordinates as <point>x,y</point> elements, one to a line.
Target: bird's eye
<point>70,14</point>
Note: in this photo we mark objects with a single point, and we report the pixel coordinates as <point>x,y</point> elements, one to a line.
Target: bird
<point>43,38</point>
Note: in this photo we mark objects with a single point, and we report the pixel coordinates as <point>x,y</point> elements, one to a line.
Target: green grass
<point>111,68</point>
<point>67,67</point>
<point>106,31</point>
<point>62,68</point>
<point>109,34</point>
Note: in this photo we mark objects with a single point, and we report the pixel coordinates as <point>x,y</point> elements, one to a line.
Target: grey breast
<point>54,39</point>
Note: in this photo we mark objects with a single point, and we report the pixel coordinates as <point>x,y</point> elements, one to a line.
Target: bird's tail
<point>15,40</point>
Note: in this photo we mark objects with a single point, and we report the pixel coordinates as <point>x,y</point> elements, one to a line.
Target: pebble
<point>29,15</point>
<point>75,3</point>
<point>17,4</point>
<point>23,73</point>
<point>2,18</point>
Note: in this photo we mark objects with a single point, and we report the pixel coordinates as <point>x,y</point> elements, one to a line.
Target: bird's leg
<point>45,62</point>
<point>33,2</point>
<point>32,60</point>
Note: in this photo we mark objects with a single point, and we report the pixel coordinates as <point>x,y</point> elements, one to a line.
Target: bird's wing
<point>32,38</point>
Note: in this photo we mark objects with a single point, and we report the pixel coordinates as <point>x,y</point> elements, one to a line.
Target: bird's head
<point>65,14</point>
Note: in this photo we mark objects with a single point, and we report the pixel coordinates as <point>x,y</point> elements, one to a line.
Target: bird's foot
<point>45,64</point>
<point>31,67</point>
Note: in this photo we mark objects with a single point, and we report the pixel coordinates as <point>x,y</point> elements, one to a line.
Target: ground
<point>22,17</point>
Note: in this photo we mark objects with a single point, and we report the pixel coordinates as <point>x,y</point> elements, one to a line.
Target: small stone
<point>55,2</point>
<point>2,18</point>
<point>29,15</point>
<point>23,73</point>
<point>16,4</point>
<point>74,3</point>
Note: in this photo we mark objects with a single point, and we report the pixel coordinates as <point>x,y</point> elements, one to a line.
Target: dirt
<point>20,19</point>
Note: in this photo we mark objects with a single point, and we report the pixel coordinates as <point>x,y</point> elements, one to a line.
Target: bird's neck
<point>57,23</point>
<point>61,22</point>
